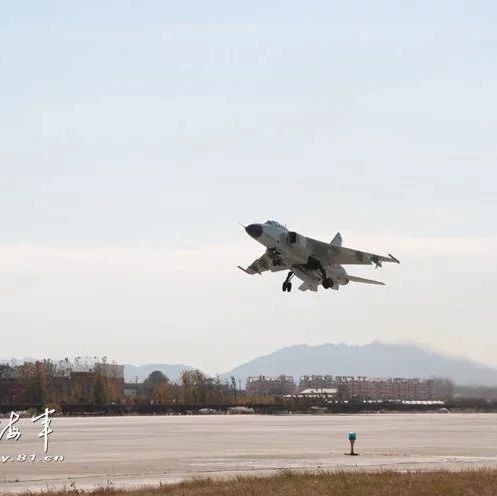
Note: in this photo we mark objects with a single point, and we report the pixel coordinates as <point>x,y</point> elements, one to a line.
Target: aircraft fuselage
<point>292,247</point>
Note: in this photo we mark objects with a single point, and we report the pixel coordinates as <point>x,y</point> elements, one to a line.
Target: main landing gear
<point>314,264</point>
<point>327,281</point>
<point>287,285</point>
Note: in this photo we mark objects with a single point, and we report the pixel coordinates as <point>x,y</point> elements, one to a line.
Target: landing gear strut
<point>287,285</point>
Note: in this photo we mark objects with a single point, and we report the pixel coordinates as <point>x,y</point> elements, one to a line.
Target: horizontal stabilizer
<point>365,281</point>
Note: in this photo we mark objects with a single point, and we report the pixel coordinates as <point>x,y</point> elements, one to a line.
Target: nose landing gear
<point>287,285</point>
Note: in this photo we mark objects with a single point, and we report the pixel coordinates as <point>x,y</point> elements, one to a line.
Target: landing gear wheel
<point>327,283</point>
<point>287,285</point>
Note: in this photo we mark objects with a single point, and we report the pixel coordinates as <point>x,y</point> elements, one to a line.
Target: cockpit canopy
<point>276,224</point>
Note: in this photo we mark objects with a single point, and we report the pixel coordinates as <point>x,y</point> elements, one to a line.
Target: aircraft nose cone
<point>254,230</point>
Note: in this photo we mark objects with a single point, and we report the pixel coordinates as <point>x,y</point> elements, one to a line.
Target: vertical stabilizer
<point>337,240</point>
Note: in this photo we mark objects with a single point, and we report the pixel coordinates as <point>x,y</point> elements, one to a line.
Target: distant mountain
<point>141,372</point>
<point>374,359</point>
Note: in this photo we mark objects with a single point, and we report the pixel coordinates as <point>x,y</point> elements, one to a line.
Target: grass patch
<point>443,483</point>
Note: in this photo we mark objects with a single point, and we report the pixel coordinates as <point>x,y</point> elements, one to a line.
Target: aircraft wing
<point>335,254</point>
<point>271,260</point>
<point>343,256</point>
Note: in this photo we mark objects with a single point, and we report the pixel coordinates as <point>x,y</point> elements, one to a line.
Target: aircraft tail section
<point>337,240</point>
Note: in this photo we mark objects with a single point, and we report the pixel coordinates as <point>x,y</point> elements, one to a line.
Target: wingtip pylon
<point>393,258</point>
<point>248,271</point>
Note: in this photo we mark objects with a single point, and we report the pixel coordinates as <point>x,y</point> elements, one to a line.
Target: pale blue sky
<point>135,135</point>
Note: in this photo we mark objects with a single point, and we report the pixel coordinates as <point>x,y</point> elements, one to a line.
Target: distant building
<point>318,393</point>
<point>393,388</point>
<point>110,370</point>
<point>131,390</point>
<point>315,382</point>
<point>265,385</point>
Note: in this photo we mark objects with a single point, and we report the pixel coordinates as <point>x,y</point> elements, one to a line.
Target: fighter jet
<point>314,262</point>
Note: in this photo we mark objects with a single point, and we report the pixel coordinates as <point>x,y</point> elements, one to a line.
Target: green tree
<point>156,378</point>
<point>156,386</point>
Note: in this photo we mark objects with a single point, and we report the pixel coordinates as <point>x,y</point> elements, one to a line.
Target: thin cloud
<point>22,258</point>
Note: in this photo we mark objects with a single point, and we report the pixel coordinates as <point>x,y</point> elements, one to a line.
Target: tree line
<point>193,388</point>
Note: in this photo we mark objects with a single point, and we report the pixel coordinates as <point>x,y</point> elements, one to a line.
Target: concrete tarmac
<point>130,451</point>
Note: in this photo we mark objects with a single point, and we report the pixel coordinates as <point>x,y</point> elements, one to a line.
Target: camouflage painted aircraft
<point>314,262</point>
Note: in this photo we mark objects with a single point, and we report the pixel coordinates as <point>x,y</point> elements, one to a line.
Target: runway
<point>140,450</point>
